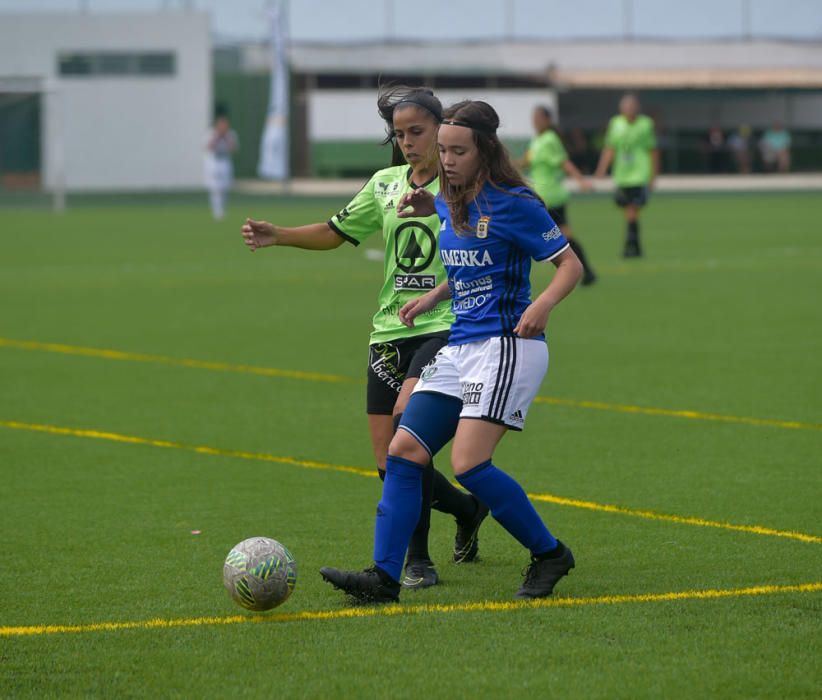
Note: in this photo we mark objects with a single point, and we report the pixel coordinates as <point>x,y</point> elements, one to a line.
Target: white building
<point>126,98</point>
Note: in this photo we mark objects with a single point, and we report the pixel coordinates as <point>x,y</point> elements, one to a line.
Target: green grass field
<point>715,336</point>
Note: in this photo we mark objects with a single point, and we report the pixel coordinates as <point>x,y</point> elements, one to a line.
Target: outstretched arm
<point>535,317</point>
<point>573,171</point>
<point>605,159</point>
<point>261,234</point>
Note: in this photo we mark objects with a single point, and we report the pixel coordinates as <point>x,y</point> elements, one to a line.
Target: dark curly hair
<point>495,166</point>
<point>392,97</point>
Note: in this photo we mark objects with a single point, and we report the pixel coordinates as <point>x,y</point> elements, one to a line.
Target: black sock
<point>554,553</point>
<point>633,233</point>
<point>576,246</point>
<point>418,546</point>
<point>449,499</point>
<point>381,472</point>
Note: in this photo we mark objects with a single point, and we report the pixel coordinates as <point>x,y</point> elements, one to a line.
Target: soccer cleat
<point>369,586</point>
<point>542,575</point>
<point>420,574</point>
<point>466,542</point>
<point>588,278</point>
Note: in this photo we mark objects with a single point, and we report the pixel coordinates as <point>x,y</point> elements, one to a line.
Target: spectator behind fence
<point>775,148</point>
<point>739,144</point>
<point>580,152</point>
<point>715,150</point>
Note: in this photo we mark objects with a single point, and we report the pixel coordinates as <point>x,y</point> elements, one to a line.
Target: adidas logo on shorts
<point>517,417</point>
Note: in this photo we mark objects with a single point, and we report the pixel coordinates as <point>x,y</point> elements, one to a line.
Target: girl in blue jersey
<point>482,383</point>
<point>397,354</point>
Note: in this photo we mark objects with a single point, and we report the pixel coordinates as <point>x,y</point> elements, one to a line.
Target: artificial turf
<point>720,318</point>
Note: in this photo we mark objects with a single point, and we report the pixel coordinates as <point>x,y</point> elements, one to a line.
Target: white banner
<point>274,160</point>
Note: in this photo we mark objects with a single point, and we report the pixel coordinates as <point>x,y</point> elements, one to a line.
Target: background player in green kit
<point>397,354</point>
<point>630,143</point>
<point>548,163</point>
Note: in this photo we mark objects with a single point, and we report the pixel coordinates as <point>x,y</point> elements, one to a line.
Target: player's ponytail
<point>392,97</point>
<point>495,166</point>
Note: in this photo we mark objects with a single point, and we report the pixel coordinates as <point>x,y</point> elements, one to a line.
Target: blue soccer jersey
<point>489,265</point>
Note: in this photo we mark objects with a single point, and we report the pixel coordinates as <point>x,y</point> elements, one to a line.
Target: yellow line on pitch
<point>104,354</point>
<point>411,610</point>
<point>674,413</point>
<point>100,353</point>
<point>681,519</point>
<point>360,471</point>
<point>200,449</point>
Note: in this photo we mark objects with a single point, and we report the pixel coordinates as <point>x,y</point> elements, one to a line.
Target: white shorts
<point>219,173</point>
<point>496,379</point>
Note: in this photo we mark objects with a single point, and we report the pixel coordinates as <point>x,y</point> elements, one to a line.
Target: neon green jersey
<point>546,154</point>
<point>412,262</point>
<point>632,143</point>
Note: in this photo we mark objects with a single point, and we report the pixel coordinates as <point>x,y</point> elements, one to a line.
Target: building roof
<point>583,63</point>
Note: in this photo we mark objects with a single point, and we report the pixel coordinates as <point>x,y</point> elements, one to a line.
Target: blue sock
<point>509,505</point>
<point>397,513</point>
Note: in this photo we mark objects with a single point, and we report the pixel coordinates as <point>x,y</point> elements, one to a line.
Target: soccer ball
<point>259,573</point>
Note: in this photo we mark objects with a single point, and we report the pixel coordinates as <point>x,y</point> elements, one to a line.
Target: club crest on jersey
<point>482,226</point>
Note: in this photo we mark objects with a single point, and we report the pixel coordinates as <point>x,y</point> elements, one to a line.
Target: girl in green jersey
<point>397,354</point>
<point>549,163</point>
<point>630,145</point>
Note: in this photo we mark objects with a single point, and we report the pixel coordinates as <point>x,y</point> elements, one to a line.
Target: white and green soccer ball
<point>259,573</point>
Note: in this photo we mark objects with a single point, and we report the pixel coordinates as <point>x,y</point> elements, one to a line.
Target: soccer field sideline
<point>413,610</point>
<point>790,182</point>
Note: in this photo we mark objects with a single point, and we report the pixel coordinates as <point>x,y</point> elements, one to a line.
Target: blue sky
<point>352,20</point>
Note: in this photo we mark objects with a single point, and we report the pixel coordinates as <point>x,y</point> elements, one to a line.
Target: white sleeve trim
<point>551,257</point>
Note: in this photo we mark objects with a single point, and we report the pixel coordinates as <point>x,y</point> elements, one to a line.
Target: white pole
<point>627,19</point>
<point>60,154</point>
<point>509,20</point>
<point>388,30</point>
<point>746,20</point>
<point>58,149</point>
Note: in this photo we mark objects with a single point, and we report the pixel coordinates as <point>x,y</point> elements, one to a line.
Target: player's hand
<point>415,307</point>
<point>586,186</point>
<point>533,321</point>
<point>420,201</point>
<point>258,234</point>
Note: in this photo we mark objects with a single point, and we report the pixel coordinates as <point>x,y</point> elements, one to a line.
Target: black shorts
<point>558,215</point>
<point>636,196</point>
<point>391,363</point>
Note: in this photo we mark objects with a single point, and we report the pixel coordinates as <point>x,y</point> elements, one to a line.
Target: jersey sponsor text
<point>465,287</point>
<point>552,235</point>
<point>468,303</point>
<point>466,258</point>
<point>414,282</point>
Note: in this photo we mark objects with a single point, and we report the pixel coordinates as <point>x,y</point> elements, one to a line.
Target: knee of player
<point>463,461</point>
<point>405,445</point>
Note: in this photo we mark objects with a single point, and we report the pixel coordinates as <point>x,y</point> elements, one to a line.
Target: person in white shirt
<point>219,170</point>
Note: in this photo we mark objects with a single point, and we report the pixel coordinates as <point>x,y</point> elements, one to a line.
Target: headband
<point>471,125</point>
<point>418,103</point>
